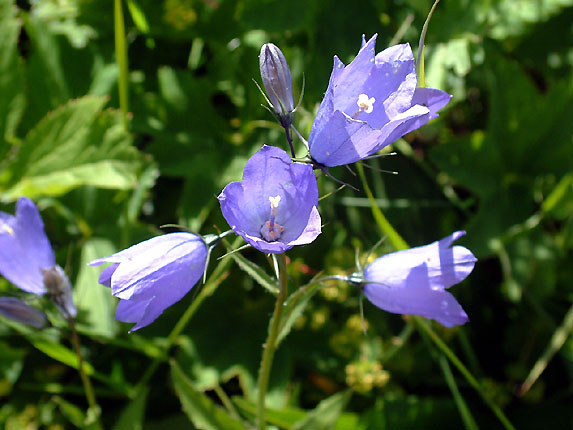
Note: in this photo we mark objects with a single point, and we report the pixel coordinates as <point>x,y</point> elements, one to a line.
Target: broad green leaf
<point>133,414</point>
<point>94,301</point>
<point>326,414</point>
<point>201,410</point>
<point>12,76</point>
<point>77,144</point>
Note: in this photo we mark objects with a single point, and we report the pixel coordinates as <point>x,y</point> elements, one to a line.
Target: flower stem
<point>94,410</point>
<point>270,345</point>
<point>289,140</point>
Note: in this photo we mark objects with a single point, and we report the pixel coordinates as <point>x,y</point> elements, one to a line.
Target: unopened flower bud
<point>59,289</point>
<point>19,311</point>
<point>276,79</point>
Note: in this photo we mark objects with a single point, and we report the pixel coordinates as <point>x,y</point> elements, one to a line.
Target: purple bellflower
<point>275,74</point>
<point>369,104</point>
<point>27,259</point>
<point>153,275</point>
<point>19,311</point>
<point>275,206</point>
<point>414,281</point>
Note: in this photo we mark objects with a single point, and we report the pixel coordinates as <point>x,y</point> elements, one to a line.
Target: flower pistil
<point>272,231</point>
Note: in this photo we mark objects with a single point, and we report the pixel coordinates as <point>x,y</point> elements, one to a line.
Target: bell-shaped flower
<point>153,275</point>
<point>27,259</point>
<point>369,104</point>
<point>275,206</point>
<point>275,74</point>
<point>19,311</point>
<point>414,281</point>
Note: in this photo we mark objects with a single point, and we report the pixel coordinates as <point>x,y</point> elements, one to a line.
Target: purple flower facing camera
<point>153,275</point>
<point>275,206</point>
<point>414,281</point>
<point>369,104</point>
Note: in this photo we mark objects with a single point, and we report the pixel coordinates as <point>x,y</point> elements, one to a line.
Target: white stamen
<point>271,231</point>
<point>5,227</point>
<point>365,103</point>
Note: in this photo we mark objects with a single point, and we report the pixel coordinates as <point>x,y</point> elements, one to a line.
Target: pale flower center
<point>365,103</point>
<point>6,228</point>
<point>271,231</point>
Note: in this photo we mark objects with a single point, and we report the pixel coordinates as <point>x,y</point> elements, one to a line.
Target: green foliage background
<point>497,163</point>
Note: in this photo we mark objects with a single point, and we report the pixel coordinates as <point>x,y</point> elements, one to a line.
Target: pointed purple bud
<point>59,290</point>
<point>19,311</point>
<point>153,275</point>
<point>277,81</point>
<point>414,281</point>
<point>275,206</point>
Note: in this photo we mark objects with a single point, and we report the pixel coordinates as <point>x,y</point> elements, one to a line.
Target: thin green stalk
<point>214,280</point>
<point>400,244</point>
<point>270,345</point>
<point>421,49</point>
<point>121,57</point>
<point>397,242</point>
<point>425,327</point>
<point>93,416</point>
<point>465,413</point>
<point>555,344</point>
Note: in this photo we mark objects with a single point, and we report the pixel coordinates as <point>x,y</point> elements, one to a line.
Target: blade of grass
<point>121,58</point>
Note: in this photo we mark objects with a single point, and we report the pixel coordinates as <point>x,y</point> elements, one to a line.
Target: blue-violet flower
<point>153,275</point>
<point>27,259</point>
<point>414,281</point>
<point>275,206</point>
<point>369,104</point>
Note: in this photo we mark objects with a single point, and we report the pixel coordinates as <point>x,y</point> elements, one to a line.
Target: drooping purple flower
<point>153,275</point>
<point>275,74</point>
<point>369,104</point>
<point>275,206</point>
<point>24,248</point>
<point>19,311</point>
<point>414,281</point>
<point>27,259</point>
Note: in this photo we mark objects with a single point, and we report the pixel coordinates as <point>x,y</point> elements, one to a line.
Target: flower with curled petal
<point>414,281</point>
<point>275,206</point>
<point>27,259</point>
<point>153,275</point>
<point>369,104</point>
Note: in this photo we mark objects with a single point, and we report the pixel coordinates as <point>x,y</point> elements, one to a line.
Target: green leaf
<point>12,73</point>
<point>326,414</point>
<point>132,416</point>
<point>201,410</point>
<point>294,308</point>
<point>256,272</point>
<point>94,301</point>
<point>77,144</point>
<point>60,353</point>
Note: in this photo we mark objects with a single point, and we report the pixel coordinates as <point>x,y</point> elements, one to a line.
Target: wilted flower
<point>153,275</point>
<point>369,104</point>
<point>275,206</point>
<point>277,81</point>
<point>19,311</point>
<point>414,281</point>
<point>27,259</point>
